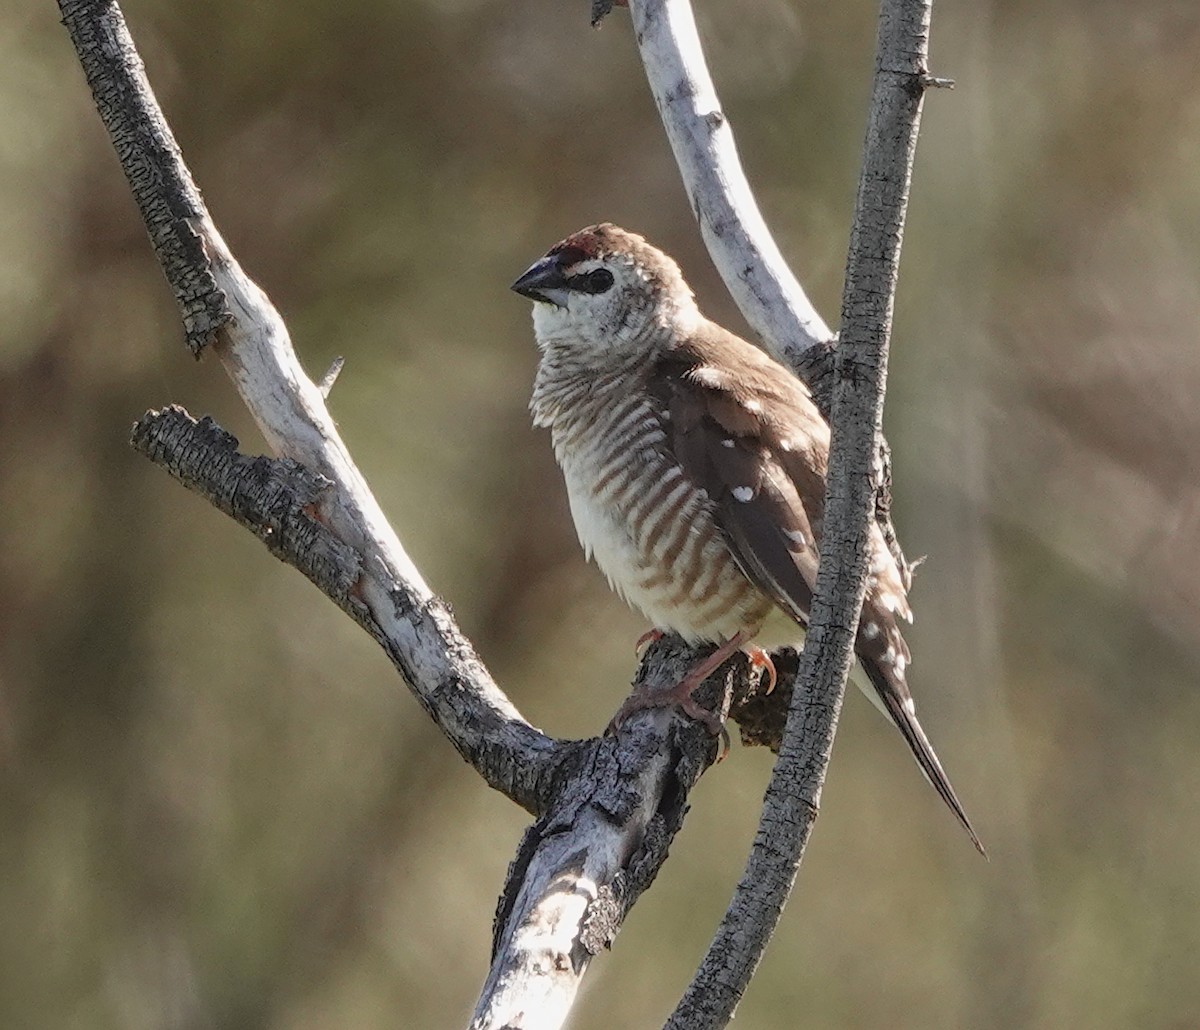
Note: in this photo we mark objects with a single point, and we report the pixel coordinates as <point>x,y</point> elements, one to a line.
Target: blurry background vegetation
<point>219,808</point>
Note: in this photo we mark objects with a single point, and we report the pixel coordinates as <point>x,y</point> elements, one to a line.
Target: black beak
<point>544,281</point>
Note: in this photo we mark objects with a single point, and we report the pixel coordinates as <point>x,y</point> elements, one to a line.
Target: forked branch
<point>607,808</point>
<point>611,806</point>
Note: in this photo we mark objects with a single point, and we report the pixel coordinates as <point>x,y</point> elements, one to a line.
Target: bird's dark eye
<point>599,280</point>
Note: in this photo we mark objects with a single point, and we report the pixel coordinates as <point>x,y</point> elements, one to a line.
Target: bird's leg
<point>707,666</point>
<point>681,694</point>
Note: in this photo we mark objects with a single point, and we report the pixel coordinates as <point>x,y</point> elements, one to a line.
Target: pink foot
<point>760,662</point>
<point>680,695</point>
<point>673,698</point>
<point>651,636</point>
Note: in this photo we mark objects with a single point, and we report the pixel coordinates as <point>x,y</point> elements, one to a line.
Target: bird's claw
<point>651,636</point>
<point>760,662</point>
<point>644,699</point>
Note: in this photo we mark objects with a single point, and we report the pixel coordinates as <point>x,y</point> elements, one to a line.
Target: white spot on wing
<point>743,493</point>
<point>709,377</point>
<point>754,406</point>
<point>871,630</point>
<point>798,538</point>
<point>727,442</point>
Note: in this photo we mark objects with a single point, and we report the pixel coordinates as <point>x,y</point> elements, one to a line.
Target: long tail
<point>892,697</point>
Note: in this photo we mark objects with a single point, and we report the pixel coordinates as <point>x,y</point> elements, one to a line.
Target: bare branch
<point>586,861</point>
<point>314,510</point>
<point>794,793</point>
<point>250,338</point>
<point>609,807</point>
<point>279,501</point>
<point>159,180</point>
<point>738,240</point>
<point>331,375</point>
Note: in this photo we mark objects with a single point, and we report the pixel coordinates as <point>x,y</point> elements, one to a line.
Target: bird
<point>695,469</point>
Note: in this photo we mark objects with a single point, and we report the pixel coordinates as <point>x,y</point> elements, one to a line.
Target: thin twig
<point>331,375</point>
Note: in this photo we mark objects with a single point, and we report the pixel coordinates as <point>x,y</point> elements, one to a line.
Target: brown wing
<point>755,443</point>
<point>747,432</point>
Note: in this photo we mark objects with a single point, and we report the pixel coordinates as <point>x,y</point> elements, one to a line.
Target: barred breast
<point>646,525</point>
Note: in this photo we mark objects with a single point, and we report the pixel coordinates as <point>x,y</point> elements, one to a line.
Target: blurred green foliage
<point>220,808</point>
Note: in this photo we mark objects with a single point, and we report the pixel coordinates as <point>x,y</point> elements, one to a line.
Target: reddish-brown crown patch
<point>605,240</point>
<point>593,242</point>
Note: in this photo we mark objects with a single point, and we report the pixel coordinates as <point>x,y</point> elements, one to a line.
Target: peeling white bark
<point>289,408</point>
<point>544,951</point>
<point>610,807</point>
<point>737,237</point>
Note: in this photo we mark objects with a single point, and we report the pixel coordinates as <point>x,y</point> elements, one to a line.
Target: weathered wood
<point>582,865</point>
<point>159,180</point>
<point>607,808</point>
<point>278,500</point>
<point>860,372</point>
<point>735,233</point>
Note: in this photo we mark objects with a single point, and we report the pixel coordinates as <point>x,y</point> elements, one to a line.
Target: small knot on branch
<point>927,81</point>
<point>330,377</point>
<point>604,917</point>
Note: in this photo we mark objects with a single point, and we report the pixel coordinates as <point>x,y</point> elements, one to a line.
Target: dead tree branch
<point>583,865</point>
<point>279,500</point>
<point>738,240</point>
<point>243,328</point>
<point>741,246</point>
<point>859,378</point>
<point>607,809</point>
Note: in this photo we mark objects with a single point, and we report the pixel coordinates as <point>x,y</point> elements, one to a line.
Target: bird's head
<point>606,289</point>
